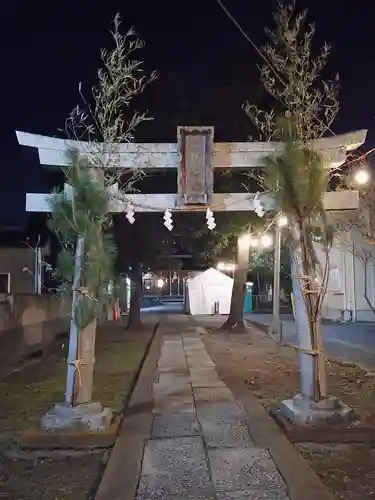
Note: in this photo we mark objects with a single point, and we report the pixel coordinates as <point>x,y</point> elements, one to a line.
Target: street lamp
<point>362,176</point>
<point>266,241</point>
<point>281,221</point>
<point>226,266</point>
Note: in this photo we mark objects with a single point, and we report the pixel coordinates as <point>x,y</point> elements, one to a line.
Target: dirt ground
<point>70,478</point>
<point>271,372</point>
<point>31,390</point>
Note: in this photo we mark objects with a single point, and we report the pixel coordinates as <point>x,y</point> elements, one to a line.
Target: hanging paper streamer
<point>130,214</point>
<point>210,219</point>
<point>168,223</point>
<point>257,206</point>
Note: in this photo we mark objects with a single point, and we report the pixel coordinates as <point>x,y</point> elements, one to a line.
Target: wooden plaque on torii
<point>195,173</point>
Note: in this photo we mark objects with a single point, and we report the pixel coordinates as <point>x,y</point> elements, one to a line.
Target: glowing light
<point>226,266</point>
<point>282,221</point>
<point>362,177</point>
<point>266,241</point>
<point>160,283</point>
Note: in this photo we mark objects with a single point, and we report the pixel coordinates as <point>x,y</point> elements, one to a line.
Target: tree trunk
<point>86,356</point>
<point>365,294</point>
<point>235,321</point>
<point>134,321</point>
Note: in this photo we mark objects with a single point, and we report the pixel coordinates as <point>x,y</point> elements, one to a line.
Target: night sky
<point>206,70</point>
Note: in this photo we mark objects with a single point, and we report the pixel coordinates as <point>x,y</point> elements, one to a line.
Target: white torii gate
<point>194,155</point>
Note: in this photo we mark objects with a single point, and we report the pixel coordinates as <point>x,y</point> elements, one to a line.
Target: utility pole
<point>276,323</point>
<point>276,330</point>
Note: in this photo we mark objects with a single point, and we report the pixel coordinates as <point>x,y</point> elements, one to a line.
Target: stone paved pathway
<point>200,447</point>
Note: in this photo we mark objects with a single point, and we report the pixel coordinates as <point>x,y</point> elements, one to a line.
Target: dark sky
<point>206,69</point>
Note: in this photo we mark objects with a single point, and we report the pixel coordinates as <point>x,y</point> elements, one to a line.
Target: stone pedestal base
<point>87,417</point>
<point>304,411</point>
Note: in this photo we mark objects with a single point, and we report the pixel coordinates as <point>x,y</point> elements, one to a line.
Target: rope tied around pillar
<point>311,352</point>
<point>77,365</point>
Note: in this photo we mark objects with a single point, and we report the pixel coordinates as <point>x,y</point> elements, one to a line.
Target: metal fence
<point>263,302</point>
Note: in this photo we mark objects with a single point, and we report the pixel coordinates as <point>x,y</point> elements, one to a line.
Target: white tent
<point>209,292</point>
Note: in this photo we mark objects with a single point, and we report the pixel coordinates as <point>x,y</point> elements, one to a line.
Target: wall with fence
<point>29,323</point>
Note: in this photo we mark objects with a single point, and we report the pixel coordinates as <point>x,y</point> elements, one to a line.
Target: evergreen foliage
<point>84,214</point>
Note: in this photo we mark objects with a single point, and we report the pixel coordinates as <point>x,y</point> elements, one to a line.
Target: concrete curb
<point>121,475</point>
<point>302,481</point>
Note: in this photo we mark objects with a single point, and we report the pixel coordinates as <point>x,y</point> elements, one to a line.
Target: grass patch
<point>28,393</point>
<point>116,366</point>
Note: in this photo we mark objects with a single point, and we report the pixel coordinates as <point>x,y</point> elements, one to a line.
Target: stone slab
<point>168,353</point>
<point>161,391</point>
<point>218,435</point>
<point>243,469</point>
<point>213,394</point>
<point>92,417</point>
<point>175,468</point>
<point>253,495</point>
<point>175,369</point>
<point>198,359</point>
<point>198,382</point>
<point>198,355</point>
<point>200,364</point>
<point>177,402</point>
<point>222,413</point>
<point>172,354</point>
<point>171,346</point>
<point>191,340</point>
<point>308,414</point>
<point>206,375</point>
<point>205,370</point>
<point>183,486</point>
<point>174,379</point>
<point>150,489</point>
<point>173,455</point>
<point>65,439</point>
<point>172,359</point>
<point>194,349</point>
<point>182,365</point>
<point>171,424</point>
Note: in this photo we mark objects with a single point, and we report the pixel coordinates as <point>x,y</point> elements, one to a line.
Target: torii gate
<point>194,155</point>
